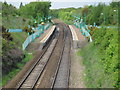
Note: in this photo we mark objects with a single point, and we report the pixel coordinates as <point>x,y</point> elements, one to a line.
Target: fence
<point>84,29</point>
<point>47,26</point>
<point>14,30</point>
<point>30,38</point>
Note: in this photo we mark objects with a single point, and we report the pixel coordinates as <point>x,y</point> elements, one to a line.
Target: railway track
<point>56,74</point>
<point>52,68</point>
<point>61,79</point>
<point>31,77</point>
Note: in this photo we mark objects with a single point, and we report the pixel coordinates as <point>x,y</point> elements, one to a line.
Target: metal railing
<point>83,29</point>
<point>30,38</point>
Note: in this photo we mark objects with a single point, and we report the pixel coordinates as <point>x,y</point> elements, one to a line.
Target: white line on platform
<point>74,35</point>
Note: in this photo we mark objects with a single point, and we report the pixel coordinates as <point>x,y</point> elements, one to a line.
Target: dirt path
<point>76,71</point>
<point>77,68</point>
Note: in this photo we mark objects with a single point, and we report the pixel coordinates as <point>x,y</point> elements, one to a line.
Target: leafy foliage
<point>28,30</point>
<point>108,52</point>
<point>6,35</point>
<point>100,14</point>
<point>8,9</point>
<point>102,61</point>
<point>35,9</point>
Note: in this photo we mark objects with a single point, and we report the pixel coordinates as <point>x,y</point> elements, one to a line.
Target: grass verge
<point>14,71</point>
<point>19,38</point>
<point>94,70</point>
<point>68,22</point>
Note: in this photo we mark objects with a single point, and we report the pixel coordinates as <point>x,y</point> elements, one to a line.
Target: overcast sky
<point>56,4</point>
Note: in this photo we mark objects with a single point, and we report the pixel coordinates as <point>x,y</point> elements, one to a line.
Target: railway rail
<point>31,77</point>
<point>52,68</point>
<point>56,74</point>
<point>61,79</point>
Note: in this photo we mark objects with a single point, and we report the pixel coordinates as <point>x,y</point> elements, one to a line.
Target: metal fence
<point>14,30</point>
<point>30,38</point>
<point>47,26</point>
<point>83,29</point>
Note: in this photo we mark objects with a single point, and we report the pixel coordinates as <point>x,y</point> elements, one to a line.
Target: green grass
<point>100,59</point>
<point>95,76</point>
<point>68,22</point>
<point>12,22</point>
<point>14,71</point>
<point>19,38</point>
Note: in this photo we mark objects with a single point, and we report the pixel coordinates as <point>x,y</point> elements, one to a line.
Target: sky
<point>56,4</point>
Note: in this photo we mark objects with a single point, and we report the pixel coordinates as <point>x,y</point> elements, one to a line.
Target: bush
<point>28,30</point>
<point>6,35</point>
<point>102,59</point>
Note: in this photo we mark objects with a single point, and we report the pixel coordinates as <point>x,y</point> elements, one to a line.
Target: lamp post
<point>85,18</point>
<point>103,17</point>
<point>81,23</point>
<point>38,19</point>
<point>116,15</point>
<point>42,26</point>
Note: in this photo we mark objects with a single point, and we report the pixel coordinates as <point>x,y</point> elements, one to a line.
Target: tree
<point>21,5</point>
<point>8,9</point>
<point>34,9</point>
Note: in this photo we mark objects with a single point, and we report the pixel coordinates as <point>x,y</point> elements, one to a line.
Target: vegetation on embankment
<point>13,58</point>
<point>11,18</point>
<point>100,58</point>
<point>19,38</point>
<point>12,54</point>
<point>16,69</point>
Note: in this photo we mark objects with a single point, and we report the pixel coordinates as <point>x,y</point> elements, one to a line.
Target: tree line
<point>101,14</point>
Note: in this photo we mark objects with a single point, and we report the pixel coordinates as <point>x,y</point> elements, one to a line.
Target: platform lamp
<point>85,18</point>
<point>81,23</point>
<point>78,22</point>
<point>42,23</point>
<point>103,17</point>
<point>75,23</point>
<point>38,19</point>
<point>116,13</point>
<point>49,18</point>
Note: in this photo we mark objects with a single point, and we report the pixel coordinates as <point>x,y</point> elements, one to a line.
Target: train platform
<point>37,44</point>
<point>78,38</point>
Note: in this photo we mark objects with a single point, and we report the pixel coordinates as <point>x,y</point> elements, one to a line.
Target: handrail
<point>30,38</point>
